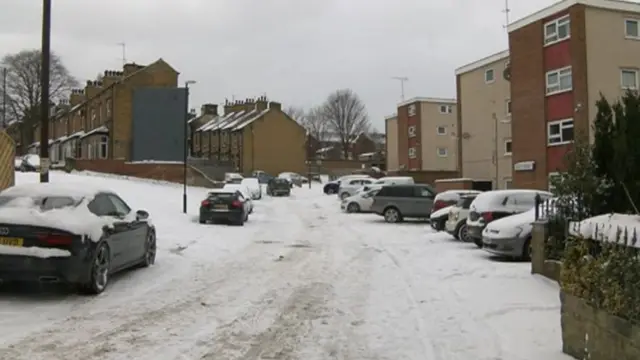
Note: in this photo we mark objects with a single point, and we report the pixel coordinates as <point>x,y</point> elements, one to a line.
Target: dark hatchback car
<point>279,187</point>
<point>224,205</point>
<point>37,244</point>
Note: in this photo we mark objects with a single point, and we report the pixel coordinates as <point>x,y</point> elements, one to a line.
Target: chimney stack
<point>209,109</point>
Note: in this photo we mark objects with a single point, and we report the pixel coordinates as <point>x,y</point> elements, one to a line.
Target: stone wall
<point>539,264</point>
<point>172,172</point>
<point>589,333</point>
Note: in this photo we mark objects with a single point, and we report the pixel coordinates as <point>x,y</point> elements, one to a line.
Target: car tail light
<point>55,239</point>
<point>487,216</point>
<point>236,203</point>
<point>439,204</point>
<point>204,203</point>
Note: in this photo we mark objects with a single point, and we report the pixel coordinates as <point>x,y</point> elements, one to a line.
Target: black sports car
<point>71,234</point>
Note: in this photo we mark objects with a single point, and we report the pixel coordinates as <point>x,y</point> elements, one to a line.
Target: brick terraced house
<point>426,131</point>
<point>120,117</point>
<point>254,134</point>
<point>561,59</point>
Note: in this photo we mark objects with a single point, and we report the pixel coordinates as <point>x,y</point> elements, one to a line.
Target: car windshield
<point>371,193</point>
<point>465,201</point>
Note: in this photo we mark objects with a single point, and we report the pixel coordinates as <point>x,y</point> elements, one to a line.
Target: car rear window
<point>222,195</point>
<point>465,202</point>
<point>397,191</point>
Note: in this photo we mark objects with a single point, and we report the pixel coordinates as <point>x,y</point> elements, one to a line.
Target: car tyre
<point>99,271</point>
<point>461,232</point>
<point>202,221</point>
<point>150,250</point>
<point>478,242</point>
<point>392,215</point>
<point>353,208</point>
<point>527,250</point>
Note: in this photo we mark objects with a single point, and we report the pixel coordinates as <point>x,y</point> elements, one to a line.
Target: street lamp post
<point>185,144</point>
<point>44,90</point>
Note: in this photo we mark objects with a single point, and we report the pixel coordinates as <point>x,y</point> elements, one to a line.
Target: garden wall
<point>539,263</point>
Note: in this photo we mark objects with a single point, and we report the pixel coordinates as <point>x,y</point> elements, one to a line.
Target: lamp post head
<point>189,82</point>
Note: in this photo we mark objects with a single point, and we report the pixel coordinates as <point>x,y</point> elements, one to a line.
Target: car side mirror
<point>142,215</point>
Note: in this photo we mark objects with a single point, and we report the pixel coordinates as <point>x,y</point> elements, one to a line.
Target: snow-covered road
<point>300,281</point>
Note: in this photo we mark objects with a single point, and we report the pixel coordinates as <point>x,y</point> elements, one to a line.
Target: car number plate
<point>11,241</point>
<point>220,207</point>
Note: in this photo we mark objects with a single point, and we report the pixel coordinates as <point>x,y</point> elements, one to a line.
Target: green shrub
<point>605,274</point>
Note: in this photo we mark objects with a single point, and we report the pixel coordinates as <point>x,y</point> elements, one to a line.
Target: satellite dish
<point>506,74</point>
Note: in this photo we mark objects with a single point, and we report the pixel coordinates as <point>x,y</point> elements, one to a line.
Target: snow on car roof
<point>40,190</point>
<point>74,219</point>
<point>489,198</point>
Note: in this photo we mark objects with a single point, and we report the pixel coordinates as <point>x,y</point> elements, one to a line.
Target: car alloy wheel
<point>100,270</point>
<point>150,253</point>
<point>391,215</point>
<point>463,234</point>
<point>353,208</point>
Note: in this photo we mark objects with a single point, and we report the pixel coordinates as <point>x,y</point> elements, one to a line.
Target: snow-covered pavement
<point>299,281</point>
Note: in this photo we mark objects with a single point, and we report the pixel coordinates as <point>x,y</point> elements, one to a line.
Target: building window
<point>489,76</point>
<point>412,153</point>
<point>104,147</point>
<point>560,132</point>
<point>508,107</point>
<point>629,79</point>
<point>442,130</point>
<point>90,151</point>
<point>93,118</point>
<point>557,30</point>
<point>446,109</point>
<point>559,81</point>
<point>508,183</point>
<point>507,147</point>
<point>631,29</point>
<point>442,152</point>
<point>78,145</point>
<point>412,131</point>
<point>412,110</point>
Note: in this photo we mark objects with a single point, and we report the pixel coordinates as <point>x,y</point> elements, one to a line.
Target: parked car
<point>17,162</point>
<point>443,204</point>
<point>233,178</point>
<point>359,203</point>
<point>278,187</point>
<point>350,186</point>
<point>493,205</point>
<point>456,224</point>
<point>225,205</point>
<point>388,180</point>
<point>332,187</point>
<point>77,235</point>
<point>262,176</point>
<point>30,163</point>
<point>511,236</point>
<point>398,202</point>
<point>244,190</point>
<point>253,186</point>
<point>293,178</point>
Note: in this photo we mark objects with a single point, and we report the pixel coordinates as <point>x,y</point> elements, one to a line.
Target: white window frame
<point>507,107</point>
<point>441,130</point>
<point>413,153</point>
<point>556,88</point>
<point>412,110</point>
<point>104,141</point>
<point>412,131</point>
<point>564,124</point>
<point>493,76</point>
<point>446,109</point>
<point>93,118</point>
<point>508,153</point>
<point>626,34</point>
<point>442,154</point>
<point>629,70</point>
<point>554,38</point>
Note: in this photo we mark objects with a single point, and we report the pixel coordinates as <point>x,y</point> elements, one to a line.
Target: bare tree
<point>346,116</point>
<point>317,124</point>
<point>296,113</point>
<point>23,83</point>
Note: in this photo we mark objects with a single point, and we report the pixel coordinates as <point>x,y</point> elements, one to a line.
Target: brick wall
<point>426,177</point>
<point>173,172</point>
<point>453,184</point>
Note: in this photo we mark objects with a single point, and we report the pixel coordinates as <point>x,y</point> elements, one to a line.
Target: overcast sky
<point>295,51</point>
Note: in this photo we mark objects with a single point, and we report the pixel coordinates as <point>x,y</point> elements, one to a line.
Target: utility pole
<point>124,52</point>
<point>402,80</point>
<point>185,144</point>
<point>44,91</point>
<point>5,73</point>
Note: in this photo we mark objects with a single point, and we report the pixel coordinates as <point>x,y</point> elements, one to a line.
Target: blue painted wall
<point>158,124</point>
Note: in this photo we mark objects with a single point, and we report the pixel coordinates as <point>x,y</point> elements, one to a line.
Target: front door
<point>136,233</point>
